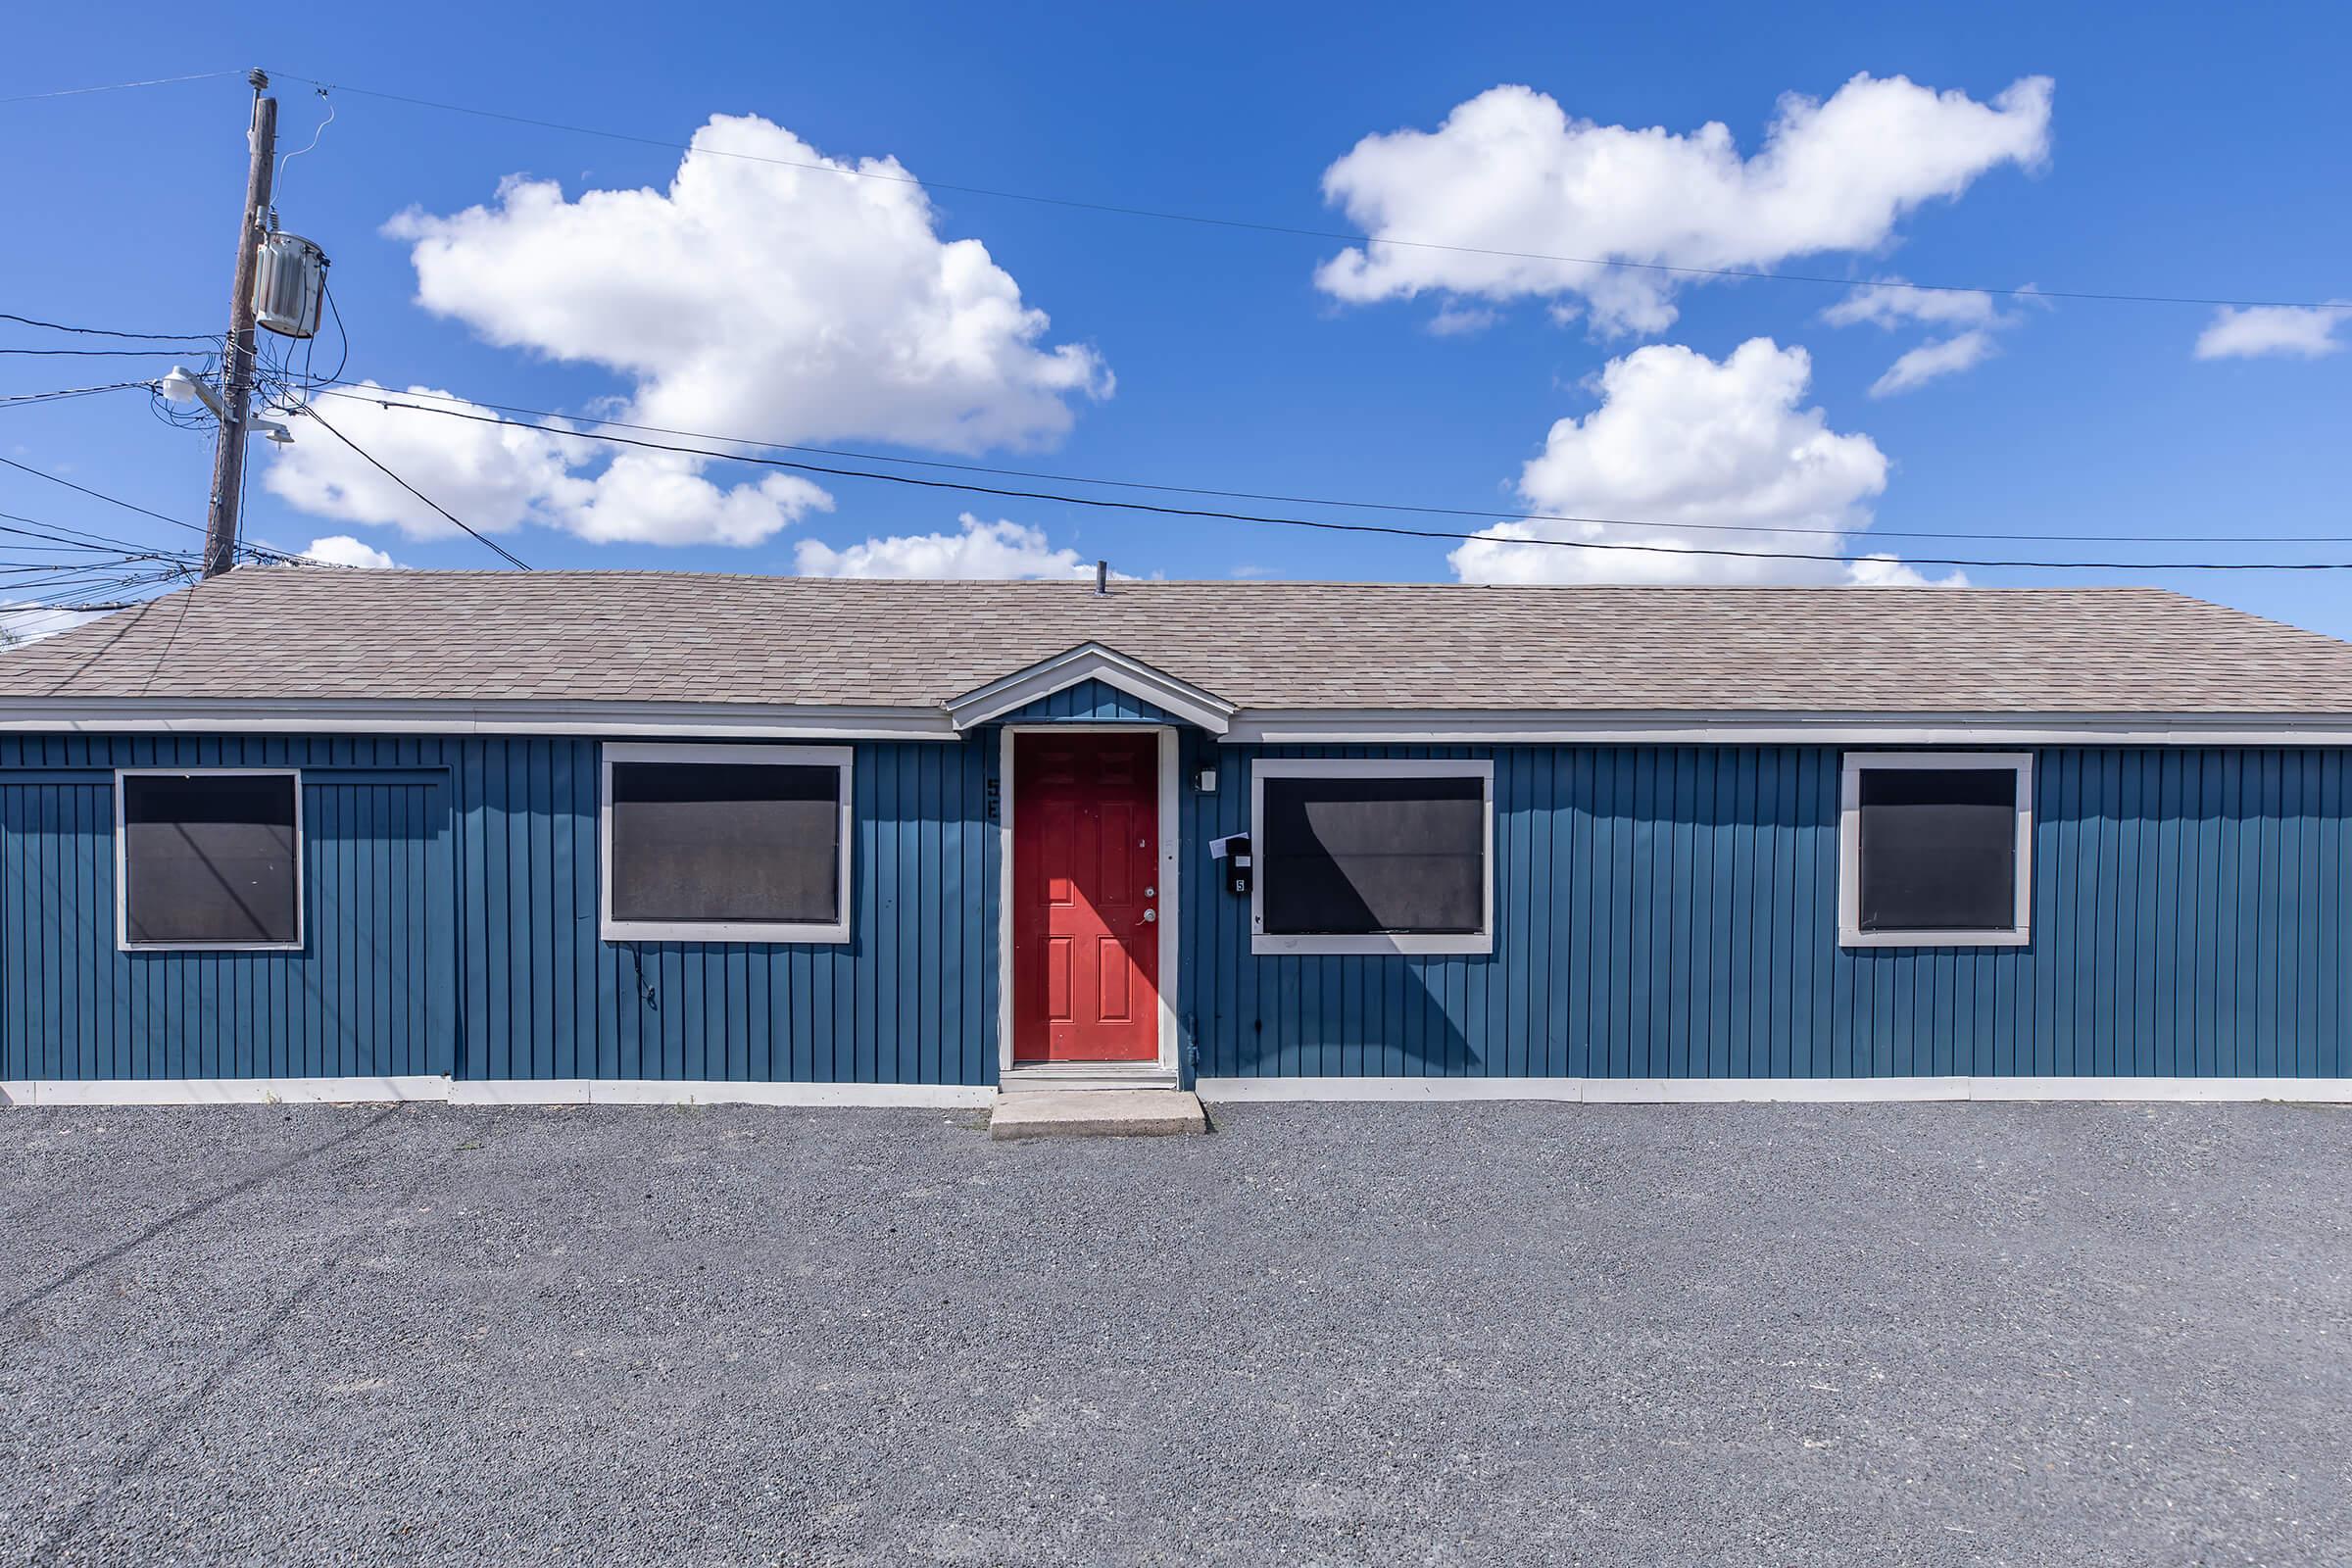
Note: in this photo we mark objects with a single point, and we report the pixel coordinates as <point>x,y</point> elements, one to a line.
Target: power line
<point>100,331</point>
<point>99,580</point>
<point>1489,515</point>
<point>98,495</point>
<point>1345,236</point>
<point>258,552</point>
<point>496,548</point>
<point>1328,525</point>
<point>118,86</point>
<point>40,528</point>
<point>102,582</point>
<point>98,354</point>
<point>71,392</point>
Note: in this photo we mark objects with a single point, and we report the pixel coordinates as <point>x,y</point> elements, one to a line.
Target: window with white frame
<point>210,859</point>
<point>1372,855</point>
<point>1935,848</point>
<point>726,843</point>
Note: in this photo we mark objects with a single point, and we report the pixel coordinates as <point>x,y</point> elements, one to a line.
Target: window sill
<point>2003,938</point>
<point>1396,943</point>
<point>743,931</point>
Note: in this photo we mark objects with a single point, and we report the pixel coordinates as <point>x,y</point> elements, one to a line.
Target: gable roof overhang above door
<point>1091,661</point>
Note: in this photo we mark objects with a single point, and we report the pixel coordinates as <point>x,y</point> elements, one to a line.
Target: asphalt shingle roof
<point>642,636</point>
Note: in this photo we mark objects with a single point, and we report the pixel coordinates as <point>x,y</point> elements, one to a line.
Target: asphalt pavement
<point>1604,1335</point>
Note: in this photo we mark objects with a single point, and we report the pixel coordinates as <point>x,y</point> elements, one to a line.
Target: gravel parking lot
<point>1641,1335</point>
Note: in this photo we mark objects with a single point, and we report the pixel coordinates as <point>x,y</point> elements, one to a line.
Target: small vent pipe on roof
<point>1102,577</point>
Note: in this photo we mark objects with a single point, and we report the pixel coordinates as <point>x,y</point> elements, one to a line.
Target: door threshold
<point>1055,1075</point>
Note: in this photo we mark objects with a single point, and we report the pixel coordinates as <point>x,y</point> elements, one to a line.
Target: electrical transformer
<point>289,283</point>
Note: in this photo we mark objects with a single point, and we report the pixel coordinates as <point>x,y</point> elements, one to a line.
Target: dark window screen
<point>1938,849</point>
<point>725,841</point>
<point>1358,856</point>
<point>210,859</point>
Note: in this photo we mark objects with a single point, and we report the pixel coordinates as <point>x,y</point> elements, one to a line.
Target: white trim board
<point>841,758</point>
<point>1269,726</point>
<point>221,1091</point>
<point>503,1092</point>
<point>1425,1090</point>
<point>1263,943</point>
<point>1084,662</point>
<point>2020,929</point>
<point>277,715</point>
<point>1737,1090</point>
<point>715,1092</point>
<point>283,716</point>
<point>1171,878</point>
<point>122,865</point>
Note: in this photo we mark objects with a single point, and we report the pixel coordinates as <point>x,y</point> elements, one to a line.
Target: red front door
<point>1086,898</point>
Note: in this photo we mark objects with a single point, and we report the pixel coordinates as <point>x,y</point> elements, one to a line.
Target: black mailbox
<point>1238,866</point>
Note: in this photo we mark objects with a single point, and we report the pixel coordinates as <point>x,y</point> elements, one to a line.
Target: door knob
<point>1150,915</point>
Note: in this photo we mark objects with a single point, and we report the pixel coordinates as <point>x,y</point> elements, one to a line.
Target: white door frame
<point>1171,864</point>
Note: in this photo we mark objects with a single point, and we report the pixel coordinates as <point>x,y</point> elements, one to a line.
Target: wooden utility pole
<point>237,370</point>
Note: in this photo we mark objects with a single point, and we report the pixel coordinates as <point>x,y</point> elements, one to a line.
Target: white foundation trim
<point>221,1091</point>
<point>1816,1091</point>
<point>505,1092</point>
<point>710,1091</point>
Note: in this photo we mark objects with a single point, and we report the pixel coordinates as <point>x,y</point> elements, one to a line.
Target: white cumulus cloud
<point>2302,332</point>
<point>492,472</point>
<point>1942,357</point>
<point>1514,182</point>
<point>342,550</point>
<point>27,620</point>
<point>977,549</point>
<point>767,282</point>
<point>1891,303</point>
<point>661,498</point>
<point>498,473</point>
<point>768,290</point>
<point>1706,455</point>
<point>1881,570</point>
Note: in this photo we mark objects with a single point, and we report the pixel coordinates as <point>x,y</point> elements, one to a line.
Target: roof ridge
<point>1082,583</point>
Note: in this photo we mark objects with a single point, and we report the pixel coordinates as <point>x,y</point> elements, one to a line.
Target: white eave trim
<point>1262,726</point>
<point>1084,662</point>
<point>524,717</point>
<point>1265,726</point>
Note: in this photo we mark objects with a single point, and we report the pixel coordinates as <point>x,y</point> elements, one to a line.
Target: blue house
<point>633,835</point>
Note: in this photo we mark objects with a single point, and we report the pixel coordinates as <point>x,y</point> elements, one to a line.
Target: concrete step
<point>1048,1076</point>
<point>1097,1113</point>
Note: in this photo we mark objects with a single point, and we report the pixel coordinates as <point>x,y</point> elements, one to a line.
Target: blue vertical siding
<point>1660,912</point>
<point>372,991</point>
<point>908,999</point>
<point>1092,701</point>
<point>451,904</point>
<point>1672,912</point>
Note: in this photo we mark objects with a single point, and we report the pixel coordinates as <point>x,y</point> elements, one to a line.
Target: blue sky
<point>2173,159</point>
